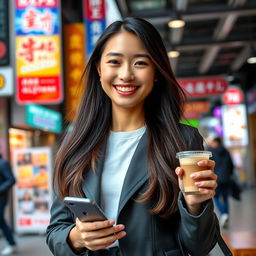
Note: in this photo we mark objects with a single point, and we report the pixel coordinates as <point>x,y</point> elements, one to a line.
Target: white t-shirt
<point>120,149</point>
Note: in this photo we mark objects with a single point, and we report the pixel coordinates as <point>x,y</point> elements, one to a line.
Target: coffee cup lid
<point>196,153</point>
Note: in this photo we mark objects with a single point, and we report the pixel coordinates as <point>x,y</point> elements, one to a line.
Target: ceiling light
<point>176,22</point>
<point>251,60</point>
<point>173,54</point>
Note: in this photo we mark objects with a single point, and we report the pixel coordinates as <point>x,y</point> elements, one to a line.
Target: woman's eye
<point>140,63</point>
<point>113,62</point>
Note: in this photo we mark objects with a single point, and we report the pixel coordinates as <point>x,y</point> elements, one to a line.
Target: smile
<point>126,90</point>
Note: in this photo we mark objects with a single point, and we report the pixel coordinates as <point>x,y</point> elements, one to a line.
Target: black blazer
<point>147,235</point>
<point>6,179</point>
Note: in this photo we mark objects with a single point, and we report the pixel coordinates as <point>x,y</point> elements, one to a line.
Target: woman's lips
<point>127,89</point>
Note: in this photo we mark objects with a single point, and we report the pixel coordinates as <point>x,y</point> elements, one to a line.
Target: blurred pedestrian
<point>6,182</point>
<point>121,152</point>
<point>224,169</point>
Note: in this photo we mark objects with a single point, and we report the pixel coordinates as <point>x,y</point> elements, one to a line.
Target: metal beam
<point>241,58</point>
<point>207,15</point>
<point>224,26</point>
<point>208,59</point>
<point>236,3</point>
<point>222,44</point>
<point>221,31</point>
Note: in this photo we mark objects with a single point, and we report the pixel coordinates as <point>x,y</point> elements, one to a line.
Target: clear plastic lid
<point>192,153</point>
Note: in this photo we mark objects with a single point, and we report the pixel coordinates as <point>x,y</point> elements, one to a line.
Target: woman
<point>121,153</point>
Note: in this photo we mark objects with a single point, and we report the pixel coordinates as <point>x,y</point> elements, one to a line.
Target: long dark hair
<point>163,109</point>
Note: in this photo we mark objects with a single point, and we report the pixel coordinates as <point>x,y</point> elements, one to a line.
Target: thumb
<point>179,171</point>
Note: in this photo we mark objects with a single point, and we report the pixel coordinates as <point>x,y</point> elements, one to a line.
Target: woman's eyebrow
<point>138,55</point>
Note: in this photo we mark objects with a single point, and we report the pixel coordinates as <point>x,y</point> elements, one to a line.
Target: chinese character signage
<point>74,46</point>
<point>4,34</point>
<point>44,118</point>
<point>38,59</point>
<point>32,195</point>
<point>95,22</point>
<point>203,87</point>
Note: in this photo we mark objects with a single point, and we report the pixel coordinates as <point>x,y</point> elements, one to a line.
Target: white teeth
<point>125,89</point>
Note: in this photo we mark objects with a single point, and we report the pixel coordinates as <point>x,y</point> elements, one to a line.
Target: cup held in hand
<point>188,162</point>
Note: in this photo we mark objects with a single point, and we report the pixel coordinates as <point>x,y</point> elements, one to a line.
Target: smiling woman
<point>127,74</point>
<point>121,154</point>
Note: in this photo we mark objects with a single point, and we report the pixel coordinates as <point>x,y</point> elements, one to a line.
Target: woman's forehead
<point>124,42</point>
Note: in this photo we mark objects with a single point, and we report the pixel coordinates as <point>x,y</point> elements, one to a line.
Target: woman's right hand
<point>95,235</point>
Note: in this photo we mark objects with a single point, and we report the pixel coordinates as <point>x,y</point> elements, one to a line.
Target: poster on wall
<point>32,197</point>
<point>235,128</point>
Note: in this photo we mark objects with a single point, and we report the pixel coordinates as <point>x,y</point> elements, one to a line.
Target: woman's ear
<point>98,69</point>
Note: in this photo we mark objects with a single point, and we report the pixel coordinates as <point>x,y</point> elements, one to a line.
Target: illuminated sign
<point>233,96</point>
<point>74,46</point>
<point>43,118</point>
<point>235,125</point>
<point>203,87</point>
<point>95,22</point>
<point>38,59</point>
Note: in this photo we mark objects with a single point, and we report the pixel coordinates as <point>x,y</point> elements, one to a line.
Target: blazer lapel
<point>92,184</point>
<point>137,173</point>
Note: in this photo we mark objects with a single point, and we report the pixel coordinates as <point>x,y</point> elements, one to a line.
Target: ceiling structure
<point>217,39</point>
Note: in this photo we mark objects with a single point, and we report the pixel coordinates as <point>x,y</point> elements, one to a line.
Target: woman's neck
<point>124,120</point>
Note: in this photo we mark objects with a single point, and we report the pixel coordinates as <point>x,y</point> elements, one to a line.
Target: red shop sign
<point>233,96</point>
<point>203,87</point>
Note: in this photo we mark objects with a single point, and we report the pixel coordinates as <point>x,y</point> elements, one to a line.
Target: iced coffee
<point>188,162</point>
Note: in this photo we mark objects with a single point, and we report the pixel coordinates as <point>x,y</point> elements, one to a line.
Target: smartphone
<point>85,209</point>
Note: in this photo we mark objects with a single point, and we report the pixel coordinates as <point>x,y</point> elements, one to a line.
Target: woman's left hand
<point>205,180</point>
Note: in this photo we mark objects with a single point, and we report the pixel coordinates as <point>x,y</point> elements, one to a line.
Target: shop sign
<point>196,106</point>
<point>235,128</point>
<point>203,87</point>
<point>233,96</point>
<point>32,194</point>
<point>95,22</point>
<point>43,118</point>
<point>4,33</point>
<point>38,59</point>
<point>74,47</point>
<point>6,81</point>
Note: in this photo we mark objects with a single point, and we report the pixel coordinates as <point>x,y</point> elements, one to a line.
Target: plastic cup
<point>188,162</point>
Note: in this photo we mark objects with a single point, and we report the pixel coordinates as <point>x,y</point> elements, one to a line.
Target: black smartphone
<point>85,209</point>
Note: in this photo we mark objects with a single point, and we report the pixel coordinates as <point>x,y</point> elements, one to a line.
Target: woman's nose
<point>126,74</point>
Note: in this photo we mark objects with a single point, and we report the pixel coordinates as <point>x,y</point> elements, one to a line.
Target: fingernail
<point>120,227</point>
<point>197,183</point>
<point>111,222</point>
<point>192,175</point>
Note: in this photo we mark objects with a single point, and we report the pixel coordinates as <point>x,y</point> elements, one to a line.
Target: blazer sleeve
<point>61,222</point>
<point>197,233</point>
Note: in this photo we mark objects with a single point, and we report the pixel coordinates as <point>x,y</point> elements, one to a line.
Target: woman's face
<point>126,70</point>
